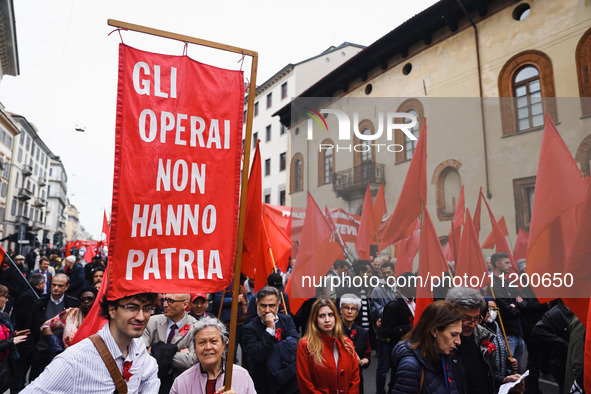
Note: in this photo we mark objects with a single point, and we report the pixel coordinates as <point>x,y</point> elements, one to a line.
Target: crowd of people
<point>465,341</point>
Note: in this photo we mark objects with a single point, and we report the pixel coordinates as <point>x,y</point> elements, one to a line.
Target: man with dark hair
<point>510,303</point>
<point>81,369</point>
<point>44,270</point>
<point>271,342</point>
<point>44,309</point>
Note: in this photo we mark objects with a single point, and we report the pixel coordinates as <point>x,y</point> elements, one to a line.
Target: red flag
<point>366,235</point>
<point>470,261</point>
<point>295,303</point>
<point>92,323</point>
<point>412,196</point>
<point>251,248</point>
<point>176,188</point>
<point>520,249</point>
<point>407,248</point>
<point>279,243</point>
<point>379,207</point>
<point>477,212</point>
<point>560,192</point>
<point>431,264</point>
<point>489,242</point>
<point>318,251</point>
<point>456,226</point>
<point>587,361</point>
<point>501,243</point>
<point>106,227</point>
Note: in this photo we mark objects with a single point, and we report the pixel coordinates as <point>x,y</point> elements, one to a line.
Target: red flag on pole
<point>520,249</point>
<point>489,242</point>
<point>413,194</point>
<point>279,243</point>
<point>366,235</point>
<point>456,226</point>
<point>477,212</point>
<point>560,192</point>
<point>587,361</point>
<point>431,263</point>
<point>318,251</point>
<point>379,207</point>
<point>407,248</point>
<point>252,238</point>
<point>106,227</point>
<point>501,243</point>
<point>470,261</point>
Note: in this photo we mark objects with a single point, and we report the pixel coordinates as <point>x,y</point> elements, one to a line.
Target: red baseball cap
<point>195,295</point>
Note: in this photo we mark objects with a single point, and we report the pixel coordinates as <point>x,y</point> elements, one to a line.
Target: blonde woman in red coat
<point>326,360</point>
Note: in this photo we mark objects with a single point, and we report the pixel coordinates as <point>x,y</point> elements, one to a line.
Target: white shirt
<point>80,369</point>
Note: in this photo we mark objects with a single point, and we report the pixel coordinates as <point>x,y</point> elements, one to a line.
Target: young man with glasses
<point>169,338</point>
<point>81,369</point>
<point>476,352</point>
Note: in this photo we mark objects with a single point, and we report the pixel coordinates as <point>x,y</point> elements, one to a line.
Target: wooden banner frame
<point>245,167</point>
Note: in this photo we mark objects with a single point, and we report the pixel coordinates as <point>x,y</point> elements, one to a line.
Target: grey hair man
<point>475,352</point>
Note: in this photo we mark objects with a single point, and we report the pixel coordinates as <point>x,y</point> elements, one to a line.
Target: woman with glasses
<point>421,362</point>
<point>350,306</point>
<point>208,375</point>
<point>70,319</point>
<point>326,359</point>
<point>8,340</point>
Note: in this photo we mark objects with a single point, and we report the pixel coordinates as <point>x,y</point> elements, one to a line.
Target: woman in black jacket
<point>8,339</point>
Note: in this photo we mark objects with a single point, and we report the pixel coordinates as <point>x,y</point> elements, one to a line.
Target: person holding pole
<point>326,359</point>
<point>476,352</point>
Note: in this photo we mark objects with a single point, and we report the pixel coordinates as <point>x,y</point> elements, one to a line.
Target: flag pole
<point>273,261</point>
<point>245,167</point>
<point>501,321</point>
<point>21,274</point>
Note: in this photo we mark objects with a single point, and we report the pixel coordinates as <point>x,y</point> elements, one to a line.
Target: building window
<point>523,191</point>
<point>527,80</point>
<point>282,161</point>
<point>267,197</point>
<point>267,167</point>
<point>13,208</point>
<point>282,197</point>
<point>583,156</point>
<point>526,90</point>
<point>583,60</point>
<point>20,155</point>
<point>269,100</point>
<point>268,134</point>
<point>282,130</point>
<point>297,173</point>
<point>255,138</point>
<point>414,107</point>
<point>283,90</point>
<point>256,108</point>
<point>326,163</point>
<point>448,186</point>
<point>244,117</point>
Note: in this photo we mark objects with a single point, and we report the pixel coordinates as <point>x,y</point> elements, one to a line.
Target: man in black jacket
<point>44,309</point>
<point>272,336</point>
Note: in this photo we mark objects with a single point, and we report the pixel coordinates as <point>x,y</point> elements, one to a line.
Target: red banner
<point>177,175</point>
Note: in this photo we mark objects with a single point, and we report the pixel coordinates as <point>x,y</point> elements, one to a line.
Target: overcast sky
<point>68,63</point>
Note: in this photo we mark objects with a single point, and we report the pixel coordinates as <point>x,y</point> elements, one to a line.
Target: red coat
<point>327,378</point>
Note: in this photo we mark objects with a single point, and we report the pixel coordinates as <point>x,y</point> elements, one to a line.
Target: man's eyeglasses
<point>470,319</point>
<point>171,301</point>
<point>133,308</point>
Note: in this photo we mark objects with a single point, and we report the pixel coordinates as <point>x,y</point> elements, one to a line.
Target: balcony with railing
<point>38,225</point>
<point>350,184</point>
<point>40,202</point>
<point>42,181</point>
<point>24,194</point>
<point>27,170</point>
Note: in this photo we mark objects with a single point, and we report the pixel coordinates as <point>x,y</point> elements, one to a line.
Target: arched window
<point>364,155</point>
<point>414,107</point>
<point>297,173</point>
<point>527,78</point>
<point>448,186</point>
<point>583,60</point>
<point>583,155</point>
<point>326,162</point>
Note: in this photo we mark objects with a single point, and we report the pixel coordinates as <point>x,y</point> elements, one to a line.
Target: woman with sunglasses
<point>70,319</point>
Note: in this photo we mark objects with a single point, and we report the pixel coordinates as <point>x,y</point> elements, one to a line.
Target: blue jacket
<point>408,365</point>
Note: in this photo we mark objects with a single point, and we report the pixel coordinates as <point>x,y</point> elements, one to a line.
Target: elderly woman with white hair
<point>208,375</point>
<point>350,305</point>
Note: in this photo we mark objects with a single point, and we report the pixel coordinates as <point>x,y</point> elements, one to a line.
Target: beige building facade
<point>535,55</point>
